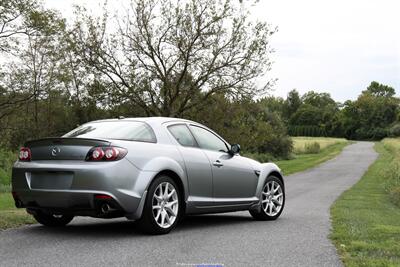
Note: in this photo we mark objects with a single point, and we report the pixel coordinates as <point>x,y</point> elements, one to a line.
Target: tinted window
<point>182,135</point>
<point>208,140</point>
<point>123,130</point>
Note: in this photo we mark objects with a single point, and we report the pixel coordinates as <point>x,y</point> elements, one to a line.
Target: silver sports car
<point>153,170</point>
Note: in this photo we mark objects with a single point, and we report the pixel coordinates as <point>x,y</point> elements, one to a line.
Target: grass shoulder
<point>366,223</point>
<point>9,215</point>
<point>303,162</point>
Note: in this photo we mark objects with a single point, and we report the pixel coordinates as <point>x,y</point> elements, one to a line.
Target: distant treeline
<point>372,116</point>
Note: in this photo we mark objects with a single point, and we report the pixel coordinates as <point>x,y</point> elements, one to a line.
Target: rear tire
<point>272,200</point>
<point>52,220</point>
<point>162,210</point>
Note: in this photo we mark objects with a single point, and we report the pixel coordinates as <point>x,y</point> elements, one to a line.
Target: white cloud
<point>336,46</point>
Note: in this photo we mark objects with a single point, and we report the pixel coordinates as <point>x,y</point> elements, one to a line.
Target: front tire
<point>162,208</point>
<point>52,220</point>
<point>272,200</point>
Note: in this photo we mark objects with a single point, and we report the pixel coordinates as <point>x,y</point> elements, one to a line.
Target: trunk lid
<point>63,148</point>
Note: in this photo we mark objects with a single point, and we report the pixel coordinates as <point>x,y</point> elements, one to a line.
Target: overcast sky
<point>327,46</point>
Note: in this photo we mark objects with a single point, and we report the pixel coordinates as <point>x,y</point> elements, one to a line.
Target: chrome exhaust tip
<point>105,208</point>
<point>18,203</point>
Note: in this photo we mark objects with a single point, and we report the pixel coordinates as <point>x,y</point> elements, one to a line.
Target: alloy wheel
<point>272,198</point>
<point>165,205</point>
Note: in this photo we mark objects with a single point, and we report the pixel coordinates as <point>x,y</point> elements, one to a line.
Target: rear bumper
<point>74,193</point>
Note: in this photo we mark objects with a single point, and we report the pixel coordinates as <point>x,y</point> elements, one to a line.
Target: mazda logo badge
<point>55,151</point>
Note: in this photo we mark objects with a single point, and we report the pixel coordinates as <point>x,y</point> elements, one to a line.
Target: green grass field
<point>329,148</point>
<point>366,220</point>
<point>300,143</point>
<point>11,216</point>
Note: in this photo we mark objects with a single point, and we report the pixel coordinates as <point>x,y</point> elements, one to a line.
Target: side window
<point>182,135</point>
<point>208,140</point>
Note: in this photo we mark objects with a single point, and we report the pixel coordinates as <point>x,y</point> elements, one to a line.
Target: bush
<point>392,184</point>
<point>306,130</point>
<point>370,133</point>
<point>5,188</point>
<point>261,157</point>
<point>379,133</point>
<point>248,123</point>
<point>394,131</point>
<point>392,170</point>
<point>7,159</point>
<point>395,195</point>
<point>312,148</point>
<point>4,177</point>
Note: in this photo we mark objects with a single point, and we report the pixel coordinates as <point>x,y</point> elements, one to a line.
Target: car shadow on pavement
<point>92,228</point>
<point>212,221</point>
<point>122,228</point>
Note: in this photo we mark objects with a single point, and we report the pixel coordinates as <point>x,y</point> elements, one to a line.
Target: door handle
<point>218,163</point>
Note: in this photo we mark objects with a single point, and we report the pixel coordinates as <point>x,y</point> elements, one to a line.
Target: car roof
<point>156,123</point>
<point>150,120</point>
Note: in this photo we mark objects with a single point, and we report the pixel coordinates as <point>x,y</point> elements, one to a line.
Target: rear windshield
<point>121,130</point>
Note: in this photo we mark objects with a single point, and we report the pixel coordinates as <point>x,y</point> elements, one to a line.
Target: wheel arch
<point>171,168</point>
<point>159,166</point>
<point>177,179</point>
<point>277,175</point>
<point>268,169</point>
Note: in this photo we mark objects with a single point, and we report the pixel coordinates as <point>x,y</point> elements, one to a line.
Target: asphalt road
<point>298,238</point>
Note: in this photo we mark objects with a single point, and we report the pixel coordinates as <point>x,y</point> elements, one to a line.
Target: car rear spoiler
<point>67,141</point>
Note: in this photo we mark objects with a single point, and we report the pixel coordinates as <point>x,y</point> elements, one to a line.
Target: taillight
<point>97,154</point>
<point>110,153</point>
<point>24,154</point>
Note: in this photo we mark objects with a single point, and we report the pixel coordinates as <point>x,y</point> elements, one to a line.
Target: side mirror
<point>235,149</point>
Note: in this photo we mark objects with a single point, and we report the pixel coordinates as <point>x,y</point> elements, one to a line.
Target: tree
<point>34,81</point>
<point>247,122</point>
<point>41,59</point>
<point>316,116</point>
<point>14,24</point>
<point>307,115</point>
<point>273,104</point>
<point>12,20</point>
<point>168,57</point>
<point>378,89</point>
<point>319,100</point>
<point>292,103</point>
<point>372,114</point>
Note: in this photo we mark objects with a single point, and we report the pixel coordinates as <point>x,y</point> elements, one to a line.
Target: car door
<point>233,177</point>
<point>197,165</point>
